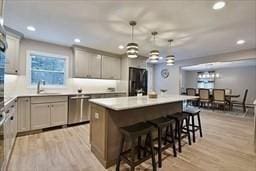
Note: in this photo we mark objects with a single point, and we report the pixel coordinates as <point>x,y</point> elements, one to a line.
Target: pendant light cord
<point>132,33</point>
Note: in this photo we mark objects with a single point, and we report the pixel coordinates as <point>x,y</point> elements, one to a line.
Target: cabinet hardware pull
<point>11,118</point>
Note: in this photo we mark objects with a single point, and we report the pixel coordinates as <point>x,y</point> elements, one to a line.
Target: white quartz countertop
<point>124,103</point>
<point>8,99</point>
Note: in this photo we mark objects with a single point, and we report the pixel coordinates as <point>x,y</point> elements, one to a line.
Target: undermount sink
<point>48,93</point>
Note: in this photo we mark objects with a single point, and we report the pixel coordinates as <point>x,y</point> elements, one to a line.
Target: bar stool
<point>169,140</point>
<point>180,118</point>
<point>193,112</point>
<point>133,134</point>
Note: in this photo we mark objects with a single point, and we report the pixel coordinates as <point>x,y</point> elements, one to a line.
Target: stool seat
<point>136,129</point>
<point>161,122</point>
<point>192,110</point>
<point>179,116</point>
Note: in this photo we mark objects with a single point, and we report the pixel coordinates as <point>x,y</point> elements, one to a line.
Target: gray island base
<point>108,115</point>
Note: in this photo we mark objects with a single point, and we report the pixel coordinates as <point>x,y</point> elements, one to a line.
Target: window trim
<point>28,69</point>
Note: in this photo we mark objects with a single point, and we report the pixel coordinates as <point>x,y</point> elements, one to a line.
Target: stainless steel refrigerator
<point>138,81</point>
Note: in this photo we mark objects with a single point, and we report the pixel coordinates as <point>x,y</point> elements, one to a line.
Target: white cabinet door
<point>95,66</point>
<point>81,63</point>
<point>111,67</point>
<point>59,113</point>
<point>40,116</point>
<point>12,54</point>
<point>116,69</point>
<point>23,114</point>
<point>7,138</point>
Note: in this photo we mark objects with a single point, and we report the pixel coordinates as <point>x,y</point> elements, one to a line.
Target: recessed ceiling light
<point>219,5</point>
<point>31,28</point>
<point>240,42</point>
<point>77,40</point>
<point>121,47</point>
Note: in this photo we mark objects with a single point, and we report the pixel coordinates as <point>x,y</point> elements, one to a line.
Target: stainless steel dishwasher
<point>78,110</point>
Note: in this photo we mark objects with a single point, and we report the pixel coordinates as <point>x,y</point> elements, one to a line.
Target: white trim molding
<point>28,68</point>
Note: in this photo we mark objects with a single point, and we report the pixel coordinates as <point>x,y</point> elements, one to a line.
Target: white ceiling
<point>218,65</point>
<point>197,30</point>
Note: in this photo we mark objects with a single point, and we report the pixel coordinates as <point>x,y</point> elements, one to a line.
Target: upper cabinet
<point>111,67</point>
<point>12,54</point>
<point>86,65</point>
<point>93,65</point>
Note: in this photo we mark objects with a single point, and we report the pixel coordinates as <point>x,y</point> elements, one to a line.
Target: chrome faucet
<point>38,90</point>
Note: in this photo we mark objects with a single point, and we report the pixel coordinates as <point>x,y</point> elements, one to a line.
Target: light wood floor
<point>227,145</point>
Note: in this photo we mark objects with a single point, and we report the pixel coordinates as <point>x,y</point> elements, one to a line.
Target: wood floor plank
<point>227,145</point>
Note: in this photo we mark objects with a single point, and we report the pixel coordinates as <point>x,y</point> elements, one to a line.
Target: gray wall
<point>238,79</point>
<point>174,82</point>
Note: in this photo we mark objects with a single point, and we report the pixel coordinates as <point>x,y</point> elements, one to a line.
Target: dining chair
<point>240,103</point>
<point>219,98</point>
<point>204,97</point>
<point>192,92</point>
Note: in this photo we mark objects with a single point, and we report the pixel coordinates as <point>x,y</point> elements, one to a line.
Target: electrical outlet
<point>96,115</point>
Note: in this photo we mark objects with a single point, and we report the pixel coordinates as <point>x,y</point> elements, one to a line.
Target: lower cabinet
<point>59,113</point>
<point>23,112</point>
<point>10,130</point>
<point>44,115</point>
<point>40,116</point>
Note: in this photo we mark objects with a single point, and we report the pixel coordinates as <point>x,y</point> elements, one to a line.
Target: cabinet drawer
<point>49,99</point>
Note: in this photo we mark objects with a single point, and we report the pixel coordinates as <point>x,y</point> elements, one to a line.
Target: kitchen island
<point>108,115</point>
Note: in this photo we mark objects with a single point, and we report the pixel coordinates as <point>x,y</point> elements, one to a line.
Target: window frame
<point>28,68</point>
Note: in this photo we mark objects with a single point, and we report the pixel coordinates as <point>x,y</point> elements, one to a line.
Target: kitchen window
<point>48,67</point>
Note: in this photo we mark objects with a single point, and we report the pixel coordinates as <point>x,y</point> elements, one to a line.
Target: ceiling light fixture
<point>31,28</point>
<point>240,42</point>
<point>121,47</point>
<point>132,49</point>
<point>154,54</point>
<point>170,59</point>
<point>219,5</point>
<point>77,40</point>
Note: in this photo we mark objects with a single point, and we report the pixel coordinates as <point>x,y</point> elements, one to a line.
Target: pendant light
<point>170,59</point>
<point>154,54</point>
<point>132,49</point>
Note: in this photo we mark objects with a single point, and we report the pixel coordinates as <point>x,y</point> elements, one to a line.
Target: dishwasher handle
<point>80,97</point>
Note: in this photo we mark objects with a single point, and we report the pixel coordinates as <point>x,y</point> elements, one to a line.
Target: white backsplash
<point>18,85</point>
